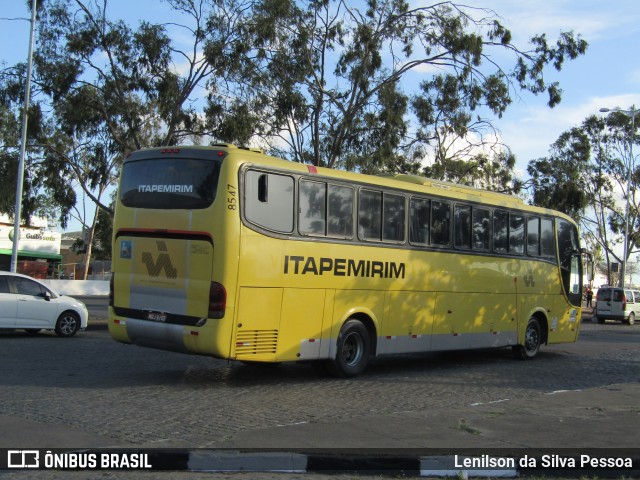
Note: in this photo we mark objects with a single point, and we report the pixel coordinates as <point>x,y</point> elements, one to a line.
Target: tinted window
<point>516,234</point>
<point>547,240</point>
<point>4,285</point>
<point>169,183</point>
<point>268,200</point>
<point>24,286</point>
<point>500,231</point>
<point>312,208</point>
<point>481,232</point>
<point>369,215</point>
<point>462,226</point>
<point>393,218</point>
<point>570,261</point>
<point>440,223</point>
<point>340,211</point>
<point>419,220</point>
<point>533,236</point>
<point>604,295</point>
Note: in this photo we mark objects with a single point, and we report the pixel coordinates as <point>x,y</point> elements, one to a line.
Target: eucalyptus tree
<point>322,82</point>
<point>586,176</point>
<point>329,82</point>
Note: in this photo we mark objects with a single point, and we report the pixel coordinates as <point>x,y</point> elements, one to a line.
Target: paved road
<point>97,306</point>
<point>89,391</point>
<point>127,395</point>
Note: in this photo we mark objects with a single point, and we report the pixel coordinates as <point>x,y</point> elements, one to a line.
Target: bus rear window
<point>169,183</point>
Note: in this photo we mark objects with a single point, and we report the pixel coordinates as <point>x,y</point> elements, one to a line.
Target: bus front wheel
<point>532,340</point>
<point>353,350</point>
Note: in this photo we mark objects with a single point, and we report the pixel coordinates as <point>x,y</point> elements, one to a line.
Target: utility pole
<point>25,111</point>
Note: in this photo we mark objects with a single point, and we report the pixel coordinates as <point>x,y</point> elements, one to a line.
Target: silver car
<point>613,303</point>
<point>26,303</point>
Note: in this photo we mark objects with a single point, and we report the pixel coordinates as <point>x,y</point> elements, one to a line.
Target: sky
<point>607,76</point>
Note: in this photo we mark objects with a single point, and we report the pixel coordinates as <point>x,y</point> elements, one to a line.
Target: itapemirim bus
<point>231,253</point>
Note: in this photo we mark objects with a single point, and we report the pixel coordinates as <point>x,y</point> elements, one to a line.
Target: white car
<point>26,303</point>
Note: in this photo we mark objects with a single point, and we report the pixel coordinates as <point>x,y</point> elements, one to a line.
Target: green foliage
<point>318,82</point>
<point>560,181</point>
<point>586,176</point>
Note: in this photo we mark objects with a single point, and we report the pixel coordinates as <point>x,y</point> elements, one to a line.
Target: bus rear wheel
<point>532,341</point>
<point>353,350</point>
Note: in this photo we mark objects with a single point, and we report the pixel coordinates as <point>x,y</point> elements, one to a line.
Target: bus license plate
<point>157,316</point>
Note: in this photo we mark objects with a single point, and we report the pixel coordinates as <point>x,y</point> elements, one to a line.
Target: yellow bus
<point>231,253</point>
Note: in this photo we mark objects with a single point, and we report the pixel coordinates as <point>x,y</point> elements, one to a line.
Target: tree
<point>586,177</point>
<point>323,83</point>
<point>319,82</point>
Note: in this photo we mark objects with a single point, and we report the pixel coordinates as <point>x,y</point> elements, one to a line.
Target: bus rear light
<point>217,300</point>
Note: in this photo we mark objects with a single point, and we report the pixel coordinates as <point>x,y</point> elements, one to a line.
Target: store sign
<point>31,240</point>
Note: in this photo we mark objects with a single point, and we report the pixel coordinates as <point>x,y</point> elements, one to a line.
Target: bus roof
<point>412,183</point>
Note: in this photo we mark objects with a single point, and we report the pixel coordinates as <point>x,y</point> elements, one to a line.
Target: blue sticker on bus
<point>125,249</point>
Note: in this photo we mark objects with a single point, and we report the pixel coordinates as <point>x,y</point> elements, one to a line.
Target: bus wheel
<point>631,319</point>
<point>532,341</point>
<point>353,349</point>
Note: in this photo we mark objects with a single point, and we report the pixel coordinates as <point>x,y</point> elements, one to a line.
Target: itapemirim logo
<point>163,262</point>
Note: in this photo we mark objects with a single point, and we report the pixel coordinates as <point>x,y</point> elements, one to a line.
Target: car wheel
<point>532,341</point>
<point>68,324</point>
<point>631,319</point>
<point>353,350</point>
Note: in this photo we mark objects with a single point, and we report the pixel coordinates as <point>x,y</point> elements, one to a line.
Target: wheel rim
<point>352,349</point>
<point>67,324</point>
<point>532,339</point>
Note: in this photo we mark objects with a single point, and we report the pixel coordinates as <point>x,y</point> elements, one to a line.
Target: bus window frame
<point>407,243</point>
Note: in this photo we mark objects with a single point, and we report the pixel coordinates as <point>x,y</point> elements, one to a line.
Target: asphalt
<point>606,417</point>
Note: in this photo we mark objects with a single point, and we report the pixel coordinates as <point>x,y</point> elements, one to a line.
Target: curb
<point>465,463</point>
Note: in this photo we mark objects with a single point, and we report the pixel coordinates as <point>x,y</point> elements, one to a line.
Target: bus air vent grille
<point>255,342</point>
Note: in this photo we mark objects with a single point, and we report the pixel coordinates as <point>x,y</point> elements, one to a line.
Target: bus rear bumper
<point>148,334</point>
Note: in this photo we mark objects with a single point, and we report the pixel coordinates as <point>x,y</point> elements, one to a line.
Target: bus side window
<point>516,234</point>
<point>462,226</point>
<point>340,211</point>
<point>268,200</point>
<point>547,239</point>
<point>312,205</point>
<point>369,215</point>
<point>481,229</point>
<point>500,231</point>
<point>440,223</point>
<point>533,236</point>
<point>419,221</point>
<point>393,218</point>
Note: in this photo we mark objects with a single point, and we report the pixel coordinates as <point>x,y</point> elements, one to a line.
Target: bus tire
<point>353,350</point>
<point>532,341</point>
